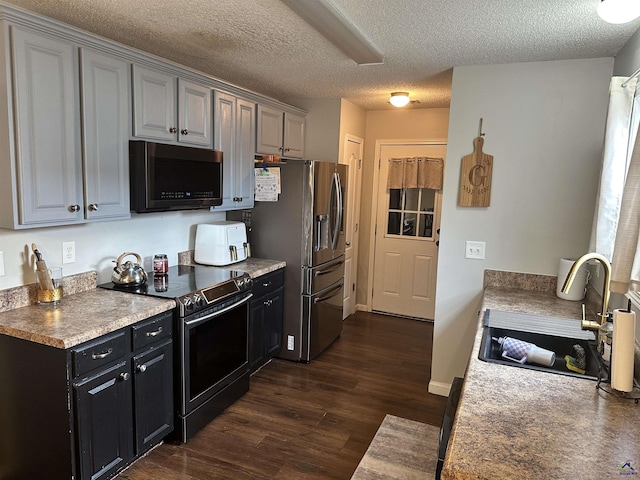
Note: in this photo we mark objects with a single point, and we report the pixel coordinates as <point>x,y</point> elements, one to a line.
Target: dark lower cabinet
<point>265,328</point>
<point>104,421</point>
<point>153,395</point>
<point>86,412</point>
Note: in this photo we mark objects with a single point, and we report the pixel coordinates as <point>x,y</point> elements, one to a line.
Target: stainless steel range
<point>212,323</point>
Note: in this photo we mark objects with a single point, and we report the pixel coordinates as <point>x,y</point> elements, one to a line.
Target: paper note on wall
<point>267,184</point>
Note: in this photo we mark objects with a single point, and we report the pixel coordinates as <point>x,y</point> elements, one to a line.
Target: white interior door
<point>353,158</point>
<point>406,252</point>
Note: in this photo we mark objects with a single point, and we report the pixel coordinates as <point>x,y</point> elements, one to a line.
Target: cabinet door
<point>293,135</point>
<point>224,140</point>
<point>243,177</point>
<point>234,135</point>
<point>154,104</point>
<point>153,393</point>
<point>256,335</point>
<point>46,106</point>
<point>270,129</point>
<point>194,113</point>
<point>105,120</point>
<point>273,317</point>
<point>104,422</point>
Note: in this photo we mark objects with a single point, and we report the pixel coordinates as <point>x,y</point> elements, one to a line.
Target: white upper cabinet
<point>105,127</point>
<point>234,135</point>
<point>46,115</point>
<point>170,109</point>
<point>293,135</point>
<point>48,178</point>
<point>280,132</point>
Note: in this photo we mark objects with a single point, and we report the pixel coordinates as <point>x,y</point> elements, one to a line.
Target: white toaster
<point>221,243</point>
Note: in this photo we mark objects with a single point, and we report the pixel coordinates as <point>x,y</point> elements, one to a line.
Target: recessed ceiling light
<point>619,11</point>
<point>399,99</point>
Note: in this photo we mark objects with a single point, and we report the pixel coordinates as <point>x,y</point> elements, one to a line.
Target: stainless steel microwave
<point>172,177</point>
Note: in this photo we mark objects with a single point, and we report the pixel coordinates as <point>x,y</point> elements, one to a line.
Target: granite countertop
<point>519,423</point>
<point>90,312</point>
<point>80,317</point>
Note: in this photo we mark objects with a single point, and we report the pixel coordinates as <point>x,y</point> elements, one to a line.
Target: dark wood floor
<point>312,421</point>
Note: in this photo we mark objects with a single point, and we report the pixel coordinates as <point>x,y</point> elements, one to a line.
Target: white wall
<point>322,128</point>
<point>628,58</point>
<point>544,125</point>
<point>97,244</point>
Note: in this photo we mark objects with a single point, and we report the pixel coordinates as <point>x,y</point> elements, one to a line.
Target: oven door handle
<point>196,321</point>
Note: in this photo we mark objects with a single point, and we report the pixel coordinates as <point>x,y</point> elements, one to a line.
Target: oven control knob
<point>188,303</point>
<point>199,300</point>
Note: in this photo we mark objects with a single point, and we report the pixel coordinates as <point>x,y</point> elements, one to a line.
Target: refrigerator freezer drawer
<point>322,319</point>
<point>322,276</point>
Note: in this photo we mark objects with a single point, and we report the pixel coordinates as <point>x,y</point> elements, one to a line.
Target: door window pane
<point>393,226</point>
<point>411,199</point>
<point>409,225</point>
<point>427,200</point>
<point>395,199</point>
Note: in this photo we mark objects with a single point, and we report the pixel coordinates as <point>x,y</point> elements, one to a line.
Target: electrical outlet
<point>290,342</point>
<point>68,252</point>
<point>1,264</point>
<point>474,250</point>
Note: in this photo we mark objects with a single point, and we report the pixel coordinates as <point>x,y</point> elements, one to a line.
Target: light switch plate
<point>474,250</point>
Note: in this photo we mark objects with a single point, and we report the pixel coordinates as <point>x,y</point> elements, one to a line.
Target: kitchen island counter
<point>520,423</point>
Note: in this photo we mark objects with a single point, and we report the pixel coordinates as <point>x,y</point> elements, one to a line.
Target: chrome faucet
<point>590,324</point>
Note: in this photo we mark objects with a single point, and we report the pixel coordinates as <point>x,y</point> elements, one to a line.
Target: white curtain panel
<point>625,267</point>
<point>618,145</point>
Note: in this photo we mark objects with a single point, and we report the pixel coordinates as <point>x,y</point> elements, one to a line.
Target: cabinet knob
<point>184,131</point>
<point>141,368</point>
<point>173,130</point>
<point>124,376</point>
<point>287,149</point>
<point>74,208</point>
<point>93,207</point>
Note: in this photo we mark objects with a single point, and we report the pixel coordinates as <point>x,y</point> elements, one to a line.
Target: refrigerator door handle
<point>334,267</point>
<point>335,186</point>
<point>332,293</point>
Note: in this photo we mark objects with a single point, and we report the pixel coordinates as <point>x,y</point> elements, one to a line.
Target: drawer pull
<point>267,284</point>
<point>155,332</point>
<point>98,356</point>
<point>268,303</point>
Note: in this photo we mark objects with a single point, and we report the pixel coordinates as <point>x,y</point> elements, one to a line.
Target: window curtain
<point>615,230</point>
<point>415,172</point>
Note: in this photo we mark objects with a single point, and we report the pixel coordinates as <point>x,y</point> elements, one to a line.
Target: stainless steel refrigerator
<point>305,228</point>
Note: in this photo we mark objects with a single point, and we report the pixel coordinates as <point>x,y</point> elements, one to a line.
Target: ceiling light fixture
<point>619,11</point>
<point>399,99</point>
<point>333,25</point>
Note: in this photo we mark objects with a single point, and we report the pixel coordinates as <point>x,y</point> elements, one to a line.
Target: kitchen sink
<point>561,345</point>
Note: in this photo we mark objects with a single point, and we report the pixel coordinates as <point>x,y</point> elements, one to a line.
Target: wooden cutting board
<point>475,177</point>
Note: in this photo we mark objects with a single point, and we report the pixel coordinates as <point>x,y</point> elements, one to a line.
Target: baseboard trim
<point>439,388</point>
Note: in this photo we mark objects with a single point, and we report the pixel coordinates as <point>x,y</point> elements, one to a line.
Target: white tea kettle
<point>128,274</point>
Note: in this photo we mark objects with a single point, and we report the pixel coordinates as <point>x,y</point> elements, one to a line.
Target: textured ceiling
<point>264,46</point>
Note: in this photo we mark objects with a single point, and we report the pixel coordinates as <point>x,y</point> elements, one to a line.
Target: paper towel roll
<point>624,334</point>
<point>578,287</point>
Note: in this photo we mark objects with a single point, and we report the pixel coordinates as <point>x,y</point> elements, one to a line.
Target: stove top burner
<point>194,287</point>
